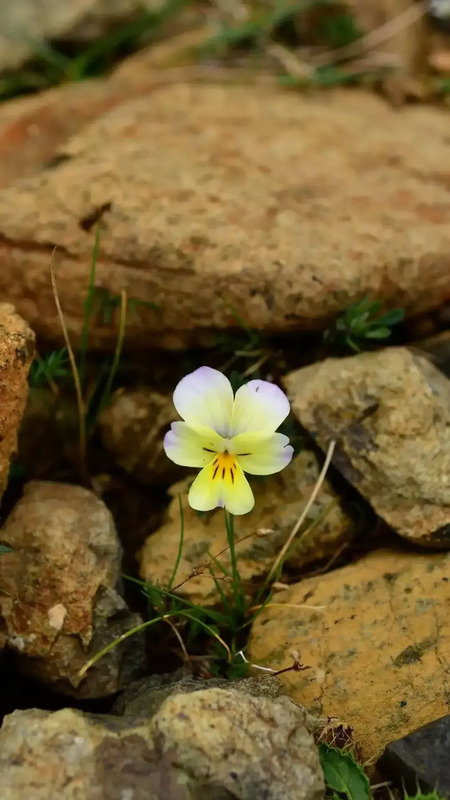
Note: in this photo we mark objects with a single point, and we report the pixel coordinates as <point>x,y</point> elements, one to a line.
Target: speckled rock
<point>62,604</point>
<point>16,355</point>
<point>377,651</point>
<point>225,223</point>
<point>207,744</point>
<point>133,428</point>
<point>389,412</point>
<point>279,499</point>
<point>26,24</point>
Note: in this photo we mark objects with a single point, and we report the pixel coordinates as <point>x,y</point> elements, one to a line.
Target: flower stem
<point>238,592</point>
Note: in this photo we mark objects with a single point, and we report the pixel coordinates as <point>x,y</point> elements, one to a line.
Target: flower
<point>227,435</point>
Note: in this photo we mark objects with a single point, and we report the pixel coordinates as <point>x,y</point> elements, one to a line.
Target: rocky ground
<point>182,210</point>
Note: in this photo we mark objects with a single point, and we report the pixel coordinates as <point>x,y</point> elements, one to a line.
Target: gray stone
<point>389,413</point>
<point>420,759</point>
<point>199,742</point>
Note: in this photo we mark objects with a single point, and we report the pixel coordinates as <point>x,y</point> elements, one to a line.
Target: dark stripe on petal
<point>232,474</point>
<point>223,473</point>
<point>243,454</point>
<point>208,450</point>
<point>215,472</point>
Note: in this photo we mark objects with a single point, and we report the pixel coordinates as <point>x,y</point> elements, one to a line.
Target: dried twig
<point>303,515</point>
<point>73,364</point>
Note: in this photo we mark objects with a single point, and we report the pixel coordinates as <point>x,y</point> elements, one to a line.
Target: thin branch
<point>381,34</point>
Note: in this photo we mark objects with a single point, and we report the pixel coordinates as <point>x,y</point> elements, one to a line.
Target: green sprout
<point>362,323</point>
<point>50,368</point>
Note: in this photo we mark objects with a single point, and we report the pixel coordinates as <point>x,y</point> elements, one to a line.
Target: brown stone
<point>16,355</point>
<point>133,428</point>
<point>389,413</point>
<point>62,604</point>
<point>202,214</point>
<point>280,500</point>
<point>378,649</point>
<point>206,744</point>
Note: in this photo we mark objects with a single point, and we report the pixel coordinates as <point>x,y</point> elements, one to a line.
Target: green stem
<point>180,546</point>
<point>238,593</point>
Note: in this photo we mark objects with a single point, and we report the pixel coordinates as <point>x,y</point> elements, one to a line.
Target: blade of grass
<point>180,546</point>
<point>73,364</point>
<point>89,306</point>
<point>120,639</point>
<point>117,353</point>
<point>209,630</point>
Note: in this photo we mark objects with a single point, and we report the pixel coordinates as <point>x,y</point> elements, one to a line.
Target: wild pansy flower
<point>227,435</point>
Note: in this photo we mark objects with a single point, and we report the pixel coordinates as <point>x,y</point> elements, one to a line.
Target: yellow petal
<point>222,484</point>
<point>261,453</point>
<point>191,447</point>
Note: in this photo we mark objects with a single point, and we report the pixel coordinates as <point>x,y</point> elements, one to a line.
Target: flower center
<point>224,465</point>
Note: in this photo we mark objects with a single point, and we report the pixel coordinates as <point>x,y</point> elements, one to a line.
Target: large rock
<point>205,214</point>
<point>26,24</point>
<point>280,499</point>
<point>16,355</point>
<point>242,741</point>
<point>378,650</point>
<point>62,603</point>
<point>389,412</point>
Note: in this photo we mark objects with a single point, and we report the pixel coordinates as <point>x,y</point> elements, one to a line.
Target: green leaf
<point>377,333</point>
<point>392,317</point>
<point>343,774</point>
<point>5,548</point>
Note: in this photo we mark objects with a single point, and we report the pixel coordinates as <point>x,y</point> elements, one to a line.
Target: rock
<point>437,349</point>
<point>420,759</point>
<point>16,355</point>
<point>25,25</point>
<point>225,223</point>
<point>133,428</point>
<point>62,604</point>
<point>36,125</point>
<point>389,412</point>
<point>377,652</point>
<point>280,499</point>
<point>207,744</point>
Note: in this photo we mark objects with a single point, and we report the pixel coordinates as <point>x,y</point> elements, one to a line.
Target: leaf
<point>377,333</point>
<point>392,317</point>
<point>343,774</point>
<point>5,548</point>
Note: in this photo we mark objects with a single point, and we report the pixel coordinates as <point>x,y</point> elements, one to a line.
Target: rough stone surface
<point>377,651</point>
<point>420,759</point>
<point>36,125</point>
<point>133,428</point>
<point>224,221</point>
<point>279,500</point>
<point>16,355</point>
<point>208,744</point>
<point>26,24</point>
<point>62,604</point>
<point>389,412</point>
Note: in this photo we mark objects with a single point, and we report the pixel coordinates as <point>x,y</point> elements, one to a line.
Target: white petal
<point>261,454</point>
<point>205,397</point>
<point>214,487</point>
<point>259,406</point>
<point>191,447</point>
